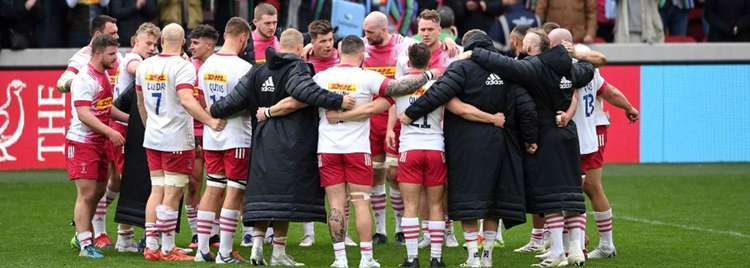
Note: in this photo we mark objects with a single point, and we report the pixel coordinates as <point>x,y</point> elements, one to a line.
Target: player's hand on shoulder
<point>451,47</point>
<point>499,120</point>
<point>464,55</point>
<point>348,102</point>
<point>115,137</point>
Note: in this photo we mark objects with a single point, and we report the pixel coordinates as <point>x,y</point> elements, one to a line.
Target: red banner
<point>33,120</point>
<point>623,138</point>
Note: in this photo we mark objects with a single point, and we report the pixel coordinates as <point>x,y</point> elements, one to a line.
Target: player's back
<point>424,133</point>
<point>363,85</point>
<point>586,117</point>
<point>217,78</point>
<point>169,127</point>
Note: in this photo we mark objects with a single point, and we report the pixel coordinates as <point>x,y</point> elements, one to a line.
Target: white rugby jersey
<point>169,127</point>
<point>600,117</point>
<point>81,59</point>
<point>425,133</point>
<point>585,114</point>
<point>125,79</point>
<point>350,136</point>
<point>90,88</point>
<point>217,78</point>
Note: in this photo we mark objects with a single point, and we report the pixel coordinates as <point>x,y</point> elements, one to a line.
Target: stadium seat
<point>679,39</point>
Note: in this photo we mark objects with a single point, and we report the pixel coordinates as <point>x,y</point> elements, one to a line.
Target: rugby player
<point>166,107</point>
<point>89,130</point>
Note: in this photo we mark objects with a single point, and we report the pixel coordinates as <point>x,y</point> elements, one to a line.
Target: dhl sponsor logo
<point>103,104</point>
<point>113,78</point>
<point>215,77</point>
<point>156,78</point>
<point>260,61</point>
<point>421,91</point>
<point>388,71</point>
<point>342,87</point>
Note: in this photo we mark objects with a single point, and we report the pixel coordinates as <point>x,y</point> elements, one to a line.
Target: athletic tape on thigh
<point>176,180</point>
<point>365,196</point>
<point>216,181</point>
<point>157,180</point>
<point>237,184</point>
<point>378,165</point>
<point>391,161</point>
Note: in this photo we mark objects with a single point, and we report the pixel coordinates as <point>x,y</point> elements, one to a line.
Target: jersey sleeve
<point>377,82</point>
<point>82,92</point>
<point>138,79</point>
<point>185,77</point>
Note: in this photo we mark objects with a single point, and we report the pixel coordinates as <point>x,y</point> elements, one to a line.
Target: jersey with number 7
<point>169,127</point>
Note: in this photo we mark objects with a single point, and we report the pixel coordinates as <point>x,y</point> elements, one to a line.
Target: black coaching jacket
<point>284,182</point>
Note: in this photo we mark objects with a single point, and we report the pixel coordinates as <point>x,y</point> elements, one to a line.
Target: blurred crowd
<point>65,23</point>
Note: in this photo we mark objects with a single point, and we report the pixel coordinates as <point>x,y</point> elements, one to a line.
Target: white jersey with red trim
<point>125,79</point>
<point>350,136</point>
<point>217,81</point>
<point>169,127</point>
<point>600,116</point>
<point>425,133</point>
<point>90,88</point>
<point>586,113</point>
<point>81,59</point>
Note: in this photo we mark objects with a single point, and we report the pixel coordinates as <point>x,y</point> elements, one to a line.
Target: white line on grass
<point>687,227</point>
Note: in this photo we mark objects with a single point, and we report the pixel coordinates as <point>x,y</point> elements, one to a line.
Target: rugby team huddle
<point>287,132</point>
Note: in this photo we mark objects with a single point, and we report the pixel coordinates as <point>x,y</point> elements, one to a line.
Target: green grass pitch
<point>665,216</point>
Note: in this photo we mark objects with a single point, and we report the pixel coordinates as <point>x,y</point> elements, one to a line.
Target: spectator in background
<point>473,14</point>
<point>605,18</point>
<point>49,23</point>
<point>578,16</point>
<point>638,21</point>
<point>130,14</point>
<point>728,20</point>
<point>17,23</point>
<point>173,11</point>
<point>79,19</point>
<point>514,16</point>
<point>674,15</point>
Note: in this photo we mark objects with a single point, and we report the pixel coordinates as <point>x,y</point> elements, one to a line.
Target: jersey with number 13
<point>169,127</point>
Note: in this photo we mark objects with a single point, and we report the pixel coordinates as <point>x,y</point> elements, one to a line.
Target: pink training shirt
<point>260,44</point>
<point>322,64</point>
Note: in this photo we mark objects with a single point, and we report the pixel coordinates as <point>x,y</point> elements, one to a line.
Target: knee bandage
<point>391,161</point>
<point>176,180</point>
<point>378,165</point>
<point>362,196</point>
<point>237,184</point>
<point>217,181</point>
<point>157,180</point>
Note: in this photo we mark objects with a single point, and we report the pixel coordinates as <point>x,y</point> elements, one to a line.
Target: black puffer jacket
<point>553,181</point>
<point>284,182</point>
<point>485,171</point>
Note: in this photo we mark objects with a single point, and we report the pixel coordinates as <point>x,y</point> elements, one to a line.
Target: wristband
<point>428,75</point>
<point>268,113</point>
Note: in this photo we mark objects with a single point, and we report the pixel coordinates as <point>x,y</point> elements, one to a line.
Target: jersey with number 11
<point>169,127</point>
<point>425,133</point>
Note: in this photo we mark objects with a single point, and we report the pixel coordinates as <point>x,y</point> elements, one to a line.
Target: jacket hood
<point>277,60</point>
<point>557,59</point>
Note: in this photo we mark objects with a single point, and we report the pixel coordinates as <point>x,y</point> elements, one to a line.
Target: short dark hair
<point>204,31</point>
<point>469,33</point>
<point>549,26</point>
<point>319,27</point>
<point>236,26</point>
<point>101,42</point>
<point>419,55</point>
<point>447,17</point>
<point>351,45</point>
<point>521,30</point>
<point>430,14</point>
<point>98,23</point>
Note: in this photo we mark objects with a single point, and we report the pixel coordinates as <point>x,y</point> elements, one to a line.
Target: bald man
<point>285,184</point>
<point>164,85</point>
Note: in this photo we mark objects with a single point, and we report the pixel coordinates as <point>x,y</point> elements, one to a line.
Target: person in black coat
<point>130,14</point>
<point>553,181</point>
<point>485,170</point>
<point>728,20</point>
<point>283,183</point>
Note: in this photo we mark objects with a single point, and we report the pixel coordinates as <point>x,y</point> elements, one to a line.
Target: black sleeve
<point>582,73</point>
<point>241,98</point>
<point>443,90</point>
<point>125,99</point>
<point>494,8</point>
<point>122,9</point>
<point>526,114</point>
<point>301,86</point>
<point>519,71</point>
